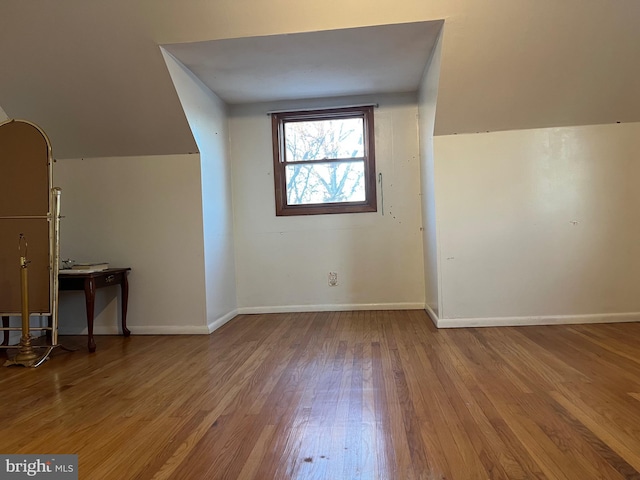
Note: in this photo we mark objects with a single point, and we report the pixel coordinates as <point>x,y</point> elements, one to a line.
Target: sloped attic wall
<point>428,97</point>
<point>207,117</point>
<point>533,226</point>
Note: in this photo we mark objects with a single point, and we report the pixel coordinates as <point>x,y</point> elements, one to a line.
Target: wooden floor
<point>371,395</point>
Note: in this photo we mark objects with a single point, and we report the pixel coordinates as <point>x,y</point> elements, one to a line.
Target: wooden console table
<point>89,282</point>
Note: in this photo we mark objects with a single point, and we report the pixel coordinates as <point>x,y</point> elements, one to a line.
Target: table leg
<point>125,299</point>
<point>5,324</point>
<point>90,299</point>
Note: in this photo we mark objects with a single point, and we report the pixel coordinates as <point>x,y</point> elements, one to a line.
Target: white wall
<point>539,226</point>
<point>428,96</point>
<point>138,212</point>
<point>207,117</point>
<point>283,262</point>
<point>3,116</point>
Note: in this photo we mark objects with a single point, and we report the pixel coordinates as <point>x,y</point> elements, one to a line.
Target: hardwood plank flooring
<point>337,395</point>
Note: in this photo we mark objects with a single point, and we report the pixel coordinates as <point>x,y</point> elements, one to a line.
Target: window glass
<point>323,139</point>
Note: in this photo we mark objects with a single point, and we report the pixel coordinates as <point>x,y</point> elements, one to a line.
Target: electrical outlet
<point>333,279</point>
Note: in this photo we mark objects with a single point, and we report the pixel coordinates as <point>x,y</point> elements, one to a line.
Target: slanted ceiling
<point>92,74</point>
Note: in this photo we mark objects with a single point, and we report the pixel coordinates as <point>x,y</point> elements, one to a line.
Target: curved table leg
<point>125,299</point>
<point>90,299</point>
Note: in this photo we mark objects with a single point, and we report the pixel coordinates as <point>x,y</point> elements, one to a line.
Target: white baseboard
<point>432,315</point>
<point>536,320</point>
<point>217,323</point>
<point>158,329</point>
<point>330,308</point>
<point>142,330</point>
<point>168,330</point>
<point>438,322</point>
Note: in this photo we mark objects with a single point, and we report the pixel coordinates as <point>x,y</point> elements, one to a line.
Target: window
<point>324,161</point>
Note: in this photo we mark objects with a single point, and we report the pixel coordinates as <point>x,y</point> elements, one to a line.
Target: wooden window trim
<point>279,164</point>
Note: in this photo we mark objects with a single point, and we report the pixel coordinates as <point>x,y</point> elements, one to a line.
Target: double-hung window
<point>324,161</point>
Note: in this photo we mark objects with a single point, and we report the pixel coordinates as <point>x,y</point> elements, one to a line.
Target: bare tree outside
<point>325,182</point>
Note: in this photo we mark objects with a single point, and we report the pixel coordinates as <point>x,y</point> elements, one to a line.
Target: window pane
<point>325,183</point>
<point>317,140</point>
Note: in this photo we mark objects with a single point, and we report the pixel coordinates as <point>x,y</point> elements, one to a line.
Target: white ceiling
<point>354,61</point>
<point>92,75</point>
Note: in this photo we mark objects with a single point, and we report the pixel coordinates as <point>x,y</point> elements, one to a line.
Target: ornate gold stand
<point>26,356</point>
<point>29,144</point>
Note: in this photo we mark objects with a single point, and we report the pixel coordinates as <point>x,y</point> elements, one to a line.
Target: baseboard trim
<point>217,323</point>
<point>329,308</point>
<point>432,315</point>
<point>159,329</point>
<point>438,322</point>
<point>539,320</point>
<point>144,330</point>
